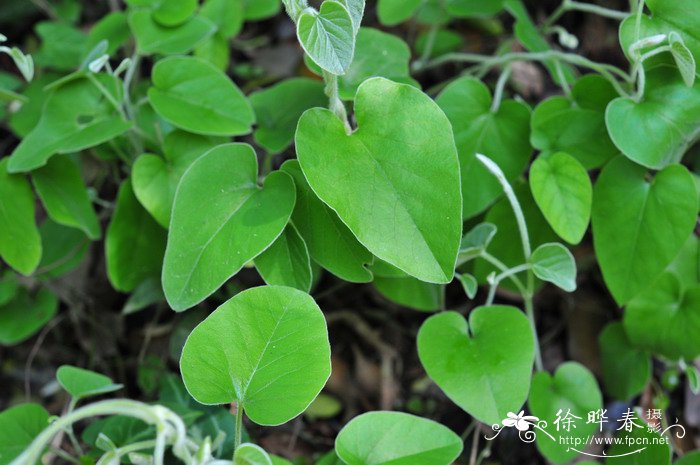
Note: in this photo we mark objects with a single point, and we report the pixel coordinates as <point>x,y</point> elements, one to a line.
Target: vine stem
<point>572,5</point>
<point>335,104</point>
<point>239,427</point>
<point>500,87</point>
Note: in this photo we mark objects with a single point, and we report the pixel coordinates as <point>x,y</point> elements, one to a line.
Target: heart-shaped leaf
<point>572,390</point>
<point>196,96</point>
<point>20,243</point>
<point>277,123</point>
<point>153,38</point>
<point>76,116</point>
<point>80,383</point>
<point>395,438</point>
<point>221,220</point>
<point>328,36</point>
<point>626,369</point>
<point>156,178</point>
<point>667,119</point>
<point>484,366</point>
<point>576,125</point>
<point>563,191</point>
<point>286,262</point>
<point>501,134</point>
<point>65,196</point>
<point>380,178</point>
<point>331,244</point>
<point>19,425</point>
<point>554,263</point>
<point>639,226</point>
<point>134,243</point>
<point>665,318</point>
<point>266,349</point>
<point>25,315</point>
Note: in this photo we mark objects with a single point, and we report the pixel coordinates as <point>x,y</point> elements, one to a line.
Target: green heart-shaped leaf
<point>639,226</point>
<point>65,196</point>
<point>196,96</point>
<point>626,369</point>
<point>576,125</point>
<point>554,263</point>
<point>667,119</point>
<point>484,366</point>
<point>563,191</point>
<point>395,438</point>
<point>80,383</point>
<point>19,426</point>
<point>266,349</point>
<point>25,315</point>
<point>20,243</point>
<point>501,134</point>
<point>665,318</point>
<point>156,178</point>
<point>286,262</point>
<point>221,220</point>
<point>153,38</point>
<point>331,244</point>
<point>328,36</point>
<point>380,178</point>
<point>573,389</point>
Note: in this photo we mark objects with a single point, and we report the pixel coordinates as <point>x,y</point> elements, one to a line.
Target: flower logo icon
<point>520,421</point>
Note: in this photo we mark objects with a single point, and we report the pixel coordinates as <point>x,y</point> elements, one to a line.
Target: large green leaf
<point>328,36</point>
<point>155,178</point>
<point>572,390</point>
<point>576,125</point>
<point>20,243</point>
<point>279,108</point>
<point>286,262</point>
<point>485,365</point>
<point>665,318</point>
<point>395,438</point>
<point>196,96</point>
<point>153,38</point>
<point>221,220</point>
<point>501,134</point>
<point>331,244</point>
<point>381,179</point>
<point>639,226</point>
<point>658,130</point>
<point>134,243</point>
<point>65,196</point>
<point>266,349</point>
<point>76,116</point>
<point>626,369</point>
<point>25,315</point>
<point>19,426</point>
<point>562,189</point>
<point>81,383</point>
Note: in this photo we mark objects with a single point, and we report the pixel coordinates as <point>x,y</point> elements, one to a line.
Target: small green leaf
<point>328,36</point>
<point>20,243</point>
<point>63,249</point>
<point>626,369</point>
<point>134,243</point>
<point>25,315</point>
<point>693,379</point>
<point>395,438</point>
<point>65,196</point>
<point>393,12</point>
<point>147,293</point>
<point>226,14</point>
<point>573,389</point>
<point>171,13</point>
<point>632,247</point>
<point>219,208</point>
<point>286,262</point>
<point>152,38</point>
<point>80,383</point>
<point>684,59</point>
<point>484,366</point>
<point>19,425</point>
<point>266,349</point>
<point>380,178</point>
<point>330,242</point>
<point>502,134</point>
<point>323,407</point>
<point>256,10</point>
<point>112,28</point>
<point>563,191</point>
<point>469,284</point>
<point>196,96</point>
<point>554,263</point>
<point>276,122</point>
<point>476,241</point>
<point>251,454</point>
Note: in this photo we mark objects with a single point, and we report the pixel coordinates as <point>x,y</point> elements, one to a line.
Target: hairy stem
<point>335,104</point>
<point>239,427</point>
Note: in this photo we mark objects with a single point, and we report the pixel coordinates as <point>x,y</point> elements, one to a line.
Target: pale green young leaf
<point>554,263</point>
<point>684,58</point>
<point>81,383</point>
<point>484,366</point>
<point>251,454</point>
<point>25,315</point>
<point>221,219</point>
<point>626,369</point>
<point>328,36</point>
<point>476,241</point>
<point>396,438</point>
<point>266,349</point>
<point>286,262</point>
<point>65,197</point>
<point>381,178</point>
<point>469,284</point>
